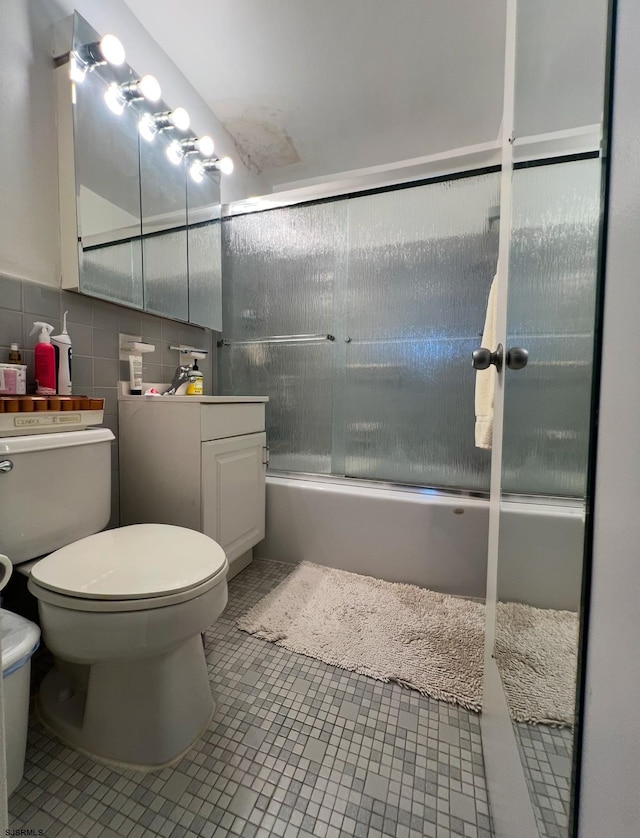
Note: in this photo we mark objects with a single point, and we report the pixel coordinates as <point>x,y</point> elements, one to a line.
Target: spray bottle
<point>45,360</point>
<point>62,347</point>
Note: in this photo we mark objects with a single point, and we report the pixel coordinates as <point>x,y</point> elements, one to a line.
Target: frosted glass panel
<point>410,413</point>
<point>280,268</point>
<point>546,418</point>
<point>298,380</point>
<point>401,279</point>
<point>421,260</point>
<point>552,284</point>
<point>114,272</point>
<point>165,287</point>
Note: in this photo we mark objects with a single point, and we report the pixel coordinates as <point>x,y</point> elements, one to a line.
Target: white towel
<point>486,379</point>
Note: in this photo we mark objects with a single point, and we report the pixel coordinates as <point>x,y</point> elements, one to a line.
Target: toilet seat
<point>133,568</point>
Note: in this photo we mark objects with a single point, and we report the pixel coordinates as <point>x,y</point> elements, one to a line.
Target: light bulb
<point>149,86</point>
<point>204,145</point>
<point>174,152</point>
<point>77,69</point>
<point>225,165</point>
<point>112,50</point>
<point>196,170</point>
<point>147,127</point>
<point>114,100</point>
<point>180,119</point>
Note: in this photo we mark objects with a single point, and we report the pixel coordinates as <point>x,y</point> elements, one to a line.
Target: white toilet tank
<point>54,489</point>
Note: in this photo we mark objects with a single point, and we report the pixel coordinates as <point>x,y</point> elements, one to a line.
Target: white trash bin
<point>20,638</point>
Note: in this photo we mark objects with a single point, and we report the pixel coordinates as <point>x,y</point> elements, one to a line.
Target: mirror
<point>550,226</point>
<point>551,312</point>
<point>107,192</point>
<point>164,229</point>
<point>204,247</point>
<point>554,238</point>
<point>125,221</point>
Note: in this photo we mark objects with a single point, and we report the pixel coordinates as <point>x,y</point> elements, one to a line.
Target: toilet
<point>121,610</point>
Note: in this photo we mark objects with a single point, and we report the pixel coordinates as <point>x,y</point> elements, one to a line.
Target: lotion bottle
<point>62,348</point>
<point>45,360</point>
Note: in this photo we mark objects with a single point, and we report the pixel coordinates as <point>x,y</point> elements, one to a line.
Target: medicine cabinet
<point>136,228</point>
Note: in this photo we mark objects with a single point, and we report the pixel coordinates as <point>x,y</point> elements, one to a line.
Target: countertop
<point>125,396</point>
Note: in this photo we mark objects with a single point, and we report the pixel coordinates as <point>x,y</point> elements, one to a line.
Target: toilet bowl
<point>122,612</point>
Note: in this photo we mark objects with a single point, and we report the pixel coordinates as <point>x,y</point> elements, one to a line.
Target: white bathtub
<point>426,537</point>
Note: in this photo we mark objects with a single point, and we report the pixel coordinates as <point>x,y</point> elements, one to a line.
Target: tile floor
<point>546,757</point>
<point>296,748</point>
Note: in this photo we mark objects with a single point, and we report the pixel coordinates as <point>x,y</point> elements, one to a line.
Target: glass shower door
<point>551,211</point>
<point>282,268</point>
<point>545,455</point>
<point>421,260</point>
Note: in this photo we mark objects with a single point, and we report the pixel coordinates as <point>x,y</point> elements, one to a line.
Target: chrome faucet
<point>180,376</point>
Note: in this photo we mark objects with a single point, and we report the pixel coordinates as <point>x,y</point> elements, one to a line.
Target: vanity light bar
<point>109,50</point>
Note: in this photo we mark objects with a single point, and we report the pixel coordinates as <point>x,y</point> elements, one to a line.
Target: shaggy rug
<point>428,641</point>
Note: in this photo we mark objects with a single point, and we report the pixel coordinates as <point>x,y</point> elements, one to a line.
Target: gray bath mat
<point>421,639</point>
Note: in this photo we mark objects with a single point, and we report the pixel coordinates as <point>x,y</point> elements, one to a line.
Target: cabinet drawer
<point>218,421</point>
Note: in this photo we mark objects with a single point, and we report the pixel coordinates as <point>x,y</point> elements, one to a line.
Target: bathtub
<point>426,537</point>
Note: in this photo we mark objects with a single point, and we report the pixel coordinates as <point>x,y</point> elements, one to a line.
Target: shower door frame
<point>510,805</point>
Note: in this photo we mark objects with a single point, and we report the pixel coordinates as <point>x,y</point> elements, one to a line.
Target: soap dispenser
<point>195,385</point>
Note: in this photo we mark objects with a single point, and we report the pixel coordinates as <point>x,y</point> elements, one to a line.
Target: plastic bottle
<point>45,360</point>
<point>195,385</point>
<point>62,347</point>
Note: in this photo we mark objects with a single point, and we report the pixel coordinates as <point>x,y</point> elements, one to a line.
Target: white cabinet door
<point>233,492</point>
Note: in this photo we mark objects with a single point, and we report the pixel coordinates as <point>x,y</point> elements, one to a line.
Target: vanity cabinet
<point>196,462</point>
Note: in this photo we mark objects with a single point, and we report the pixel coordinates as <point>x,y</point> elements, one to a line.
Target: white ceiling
<point>311,88</point>
<point>314,91</point>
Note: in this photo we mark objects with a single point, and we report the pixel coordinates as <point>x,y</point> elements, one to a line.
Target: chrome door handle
<point>6,465</point>
<point>484,358</point>
<point>517,358</point>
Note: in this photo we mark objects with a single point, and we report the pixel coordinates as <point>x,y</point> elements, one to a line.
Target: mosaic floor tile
<point>546,756</point>
<point>296,748</point>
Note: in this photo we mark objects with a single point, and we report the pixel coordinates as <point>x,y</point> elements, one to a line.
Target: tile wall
<point>94,326</point>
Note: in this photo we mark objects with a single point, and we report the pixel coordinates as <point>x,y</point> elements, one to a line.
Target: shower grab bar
<point>277,339</point>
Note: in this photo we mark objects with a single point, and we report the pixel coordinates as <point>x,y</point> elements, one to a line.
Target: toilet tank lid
<point>136,562</point>
<point>43,442</point>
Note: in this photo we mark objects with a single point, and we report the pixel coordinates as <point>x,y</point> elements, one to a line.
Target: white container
<point>62,345</point>
<point>13,379</point>
<point>20,639</point>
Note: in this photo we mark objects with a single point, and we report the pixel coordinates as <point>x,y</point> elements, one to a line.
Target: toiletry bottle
<point>45,360</point>
<point>135,372</point>
<point>195,385</point>
<point>62,346</point>
<point>14,354</point>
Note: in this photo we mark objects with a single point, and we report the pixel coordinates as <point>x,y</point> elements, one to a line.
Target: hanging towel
<point>486,379</point>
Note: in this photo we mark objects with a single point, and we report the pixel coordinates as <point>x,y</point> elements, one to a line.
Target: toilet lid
<point>136,562</point>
